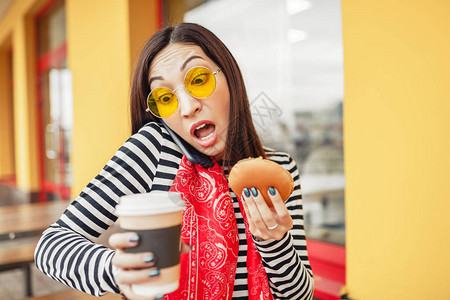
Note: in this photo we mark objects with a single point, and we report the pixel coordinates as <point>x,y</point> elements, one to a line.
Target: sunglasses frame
<point>183,85</point>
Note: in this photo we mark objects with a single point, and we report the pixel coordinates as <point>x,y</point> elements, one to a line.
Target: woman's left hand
<point>266,222</point>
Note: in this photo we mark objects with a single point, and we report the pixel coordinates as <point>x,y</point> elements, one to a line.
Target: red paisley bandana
<point>209,226</point>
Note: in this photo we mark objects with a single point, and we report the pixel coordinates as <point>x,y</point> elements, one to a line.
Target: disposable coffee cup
<point>156,217</point>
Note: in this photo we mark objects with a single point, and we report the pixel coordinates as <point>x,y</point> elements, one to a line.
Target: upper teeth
<point>201,126</point>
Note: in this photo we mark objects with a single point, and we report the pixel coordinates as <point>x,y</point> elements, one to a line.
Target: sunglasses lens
<point>200,82</point>
<point>162,102</point>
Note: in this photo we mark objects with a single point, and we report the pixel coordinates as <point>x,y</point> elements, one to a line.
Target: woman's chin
<point>213,152</point>
<point>219,156</point>
<point>215,149</point>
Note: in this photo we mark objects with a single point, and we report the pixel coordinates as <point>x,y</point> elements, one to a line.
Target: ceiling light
<point>296,6</point>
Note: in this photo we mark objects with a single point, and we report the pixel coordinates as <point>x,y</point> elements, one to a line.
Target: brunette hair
<point>242,139</point>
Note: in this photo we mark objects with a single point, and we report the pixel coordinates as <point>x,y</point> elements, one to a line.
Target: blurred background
<point>291,57</point>
<point>65,73</point>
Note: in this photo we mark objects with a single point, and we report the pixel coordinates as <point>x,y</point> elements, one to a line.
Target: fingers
<point>260,213</point>
<point>134,268</point>
<point>133,260</point>
<point>264,222</point>
<point>123,240</point>
<point>136,276</point>
<point>280,208</point>
<point>249,218</point>
<point>126,289</point>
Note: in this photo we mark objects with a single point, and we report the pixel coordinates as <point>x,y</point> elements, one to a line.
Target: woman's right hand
<point>134,268</point>
<point>131,268</point>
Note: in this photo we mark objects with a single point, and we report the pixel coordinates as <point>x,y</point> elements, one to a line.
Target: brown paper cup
<point>156,217</point>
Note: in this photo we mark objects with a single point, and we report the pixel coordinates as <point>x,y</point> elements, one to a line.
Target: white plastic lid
<point>153,203</point>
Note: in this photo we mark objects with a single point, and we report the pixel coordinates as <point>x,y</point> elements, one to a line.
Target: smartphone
<point>192,154</point>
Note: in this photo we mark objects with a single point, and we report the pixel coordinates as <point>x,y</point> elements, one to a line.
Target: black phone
<point>192,154</point>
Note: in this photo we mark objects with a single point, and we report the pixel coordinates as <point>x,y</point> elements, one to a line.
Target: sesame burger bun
<point>261,174</point>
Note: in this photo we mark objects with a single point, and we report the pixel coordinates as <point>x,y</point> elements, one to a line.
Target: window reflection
<point>290,53</point>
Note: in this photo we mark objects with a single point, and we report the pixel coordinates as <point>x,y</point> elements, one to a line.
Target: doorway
<point>55,113</point>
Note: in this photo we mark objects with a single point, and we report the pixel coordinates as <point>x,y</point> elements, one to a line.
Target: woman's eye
<point>200,79</point>
<point>165,98</point>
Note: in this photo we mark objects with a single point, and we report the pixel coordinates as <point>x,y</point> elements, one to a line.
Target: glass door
<point>55,103</point>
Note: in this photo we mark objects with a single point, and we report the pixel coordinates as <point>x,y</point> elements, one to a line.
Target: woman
<point>186,78</point>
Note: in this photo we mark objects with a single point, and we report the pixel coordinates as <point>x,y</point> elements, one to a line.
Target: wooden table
<point>20,221</point>
<point>19,257</point>
<point>28,219</point>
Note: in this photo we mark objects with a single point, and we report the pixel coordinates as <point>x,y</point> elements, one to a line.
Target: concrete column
<point>7,160</point>
<point>25,108</point>
<point>103,40</point>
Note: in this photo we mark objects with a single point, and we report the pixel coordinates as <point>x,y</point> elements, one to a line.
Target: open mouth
<point>204,132</point>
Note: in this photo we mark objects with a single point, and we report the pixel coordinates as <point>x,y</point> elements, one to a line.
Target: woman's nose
<point>188,104</point>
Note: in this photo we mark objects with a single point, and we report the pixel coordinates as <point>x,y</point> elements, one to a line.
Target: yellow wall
<point>18,10</point>
<point>17,30</point>
<point>7,168</point>
<point>143,18</point>
<point>397,148</point>
<point>25,119</point>
<point>103,38</point>
<point>102,42</point>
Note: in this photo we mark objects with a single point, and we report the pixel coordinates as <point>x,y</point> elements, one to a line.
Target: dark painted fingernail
<point>246,192</point>
<point>134,238</point>
<point>149,259</point>
<point>154,272</point>
<point>159,297</point>
<point>254,191</point>
<point>272,191</point>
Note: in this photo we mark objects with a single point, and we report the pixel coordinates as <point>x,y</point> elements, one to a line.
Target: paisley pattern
<point>209,226</point>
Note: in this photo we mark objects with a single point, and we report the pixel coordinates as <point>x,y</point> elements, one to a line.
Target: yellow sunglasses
<point>199,82</point>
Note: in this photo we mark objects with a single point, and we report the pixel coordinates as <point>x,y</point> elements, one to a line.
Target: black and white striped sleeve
<point>66,251</point>
<point>286,261</point>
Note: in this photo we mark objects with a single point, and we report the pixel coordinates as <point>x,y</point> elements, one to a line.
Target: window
<point>55,99</point>
<point>290,53</point>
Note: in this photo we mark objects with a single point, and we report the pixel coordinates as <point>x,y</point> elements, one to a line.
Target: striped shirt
<point>149,161</point>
